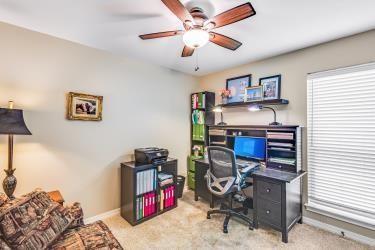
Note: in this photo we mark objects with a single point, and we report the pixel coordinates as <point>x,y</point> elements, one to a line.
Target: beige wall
<point>294,68</point>
<point>144,105</point>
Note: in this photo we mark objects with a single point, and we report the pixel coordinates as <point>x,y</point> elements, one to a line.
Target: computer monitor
<point>250,147</point>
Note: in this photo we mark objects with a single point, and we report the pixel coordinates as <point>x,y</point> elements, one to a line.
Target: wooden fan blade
<point>224,41</point>
<point>180,11</point>
<point>187,51</point>
<point>233,15</point>
<point>161,34</point>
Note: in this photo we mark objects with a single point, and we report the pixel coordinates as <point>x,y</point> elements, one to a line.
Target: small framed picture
<point>84,107</point>
<point>254,94</point>
<point>271,87</point>
<point>237,87</point>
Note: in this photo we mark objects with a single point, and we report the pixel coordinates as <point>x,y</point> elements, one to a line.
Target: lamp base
<point>276,124</point>
<point>221,124</point>
<point>9,183</point>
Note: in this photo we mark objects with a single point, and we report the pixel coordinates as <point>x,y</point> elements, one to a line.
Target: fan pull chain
<point>196,61</point>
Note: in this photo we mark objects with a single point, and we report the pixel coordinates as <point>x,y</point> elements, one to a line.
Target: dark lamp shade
<point>12,123</point>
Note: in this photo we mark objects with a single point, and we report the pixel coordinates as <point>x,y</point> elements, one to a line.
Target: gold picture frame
<point>84,107</point>
<point>254,94</point>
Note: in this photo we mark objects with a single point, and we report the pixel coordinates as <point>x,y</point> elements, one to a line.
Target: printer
<point>150,155</point>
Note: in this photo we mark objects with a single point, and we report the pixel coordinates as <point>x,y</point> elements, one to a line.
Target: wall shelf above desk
<point>264,102</point>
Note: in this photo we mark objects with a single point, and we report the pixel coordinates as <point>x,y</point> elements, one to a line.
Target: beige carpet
<point>186,227</point>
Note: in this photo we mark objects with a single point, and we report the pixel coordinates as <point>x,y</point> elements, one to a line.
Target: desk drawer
<point>269,190</point>
<point>281,167</point>
<point>269,212</point>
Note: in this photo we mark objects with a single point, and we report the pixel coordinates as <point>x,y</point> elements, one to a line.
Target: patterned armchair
<point>34,221</point>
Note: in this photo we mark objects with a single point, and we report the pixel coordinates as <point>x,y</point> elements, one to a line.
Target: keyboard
<point>242,164</point>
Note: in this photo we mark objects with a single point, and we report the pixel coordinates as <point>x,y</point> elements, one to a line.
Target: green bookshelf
<point>202,104</point>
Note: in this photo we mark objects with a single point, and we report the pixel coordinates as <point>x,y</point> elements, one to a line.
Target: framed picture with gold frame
<point>254,94</point>
<point>84,107</point>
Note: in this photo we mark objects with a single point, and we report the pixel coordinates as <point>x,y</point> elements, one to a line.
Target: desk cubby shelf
<point>225,136</point>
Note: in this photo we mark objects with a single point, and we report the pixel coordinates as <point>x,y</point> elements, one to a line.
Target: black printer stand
<point>129,196</point>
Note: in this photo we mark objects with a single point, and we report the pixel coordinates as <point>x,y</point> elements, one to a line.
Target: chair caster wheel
<point>208,216</point>
<point>225,230</point>
<point>251,228</point>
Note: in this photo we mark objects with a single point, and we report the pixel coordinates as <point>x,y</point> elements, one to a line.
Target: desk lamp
<point>258,107</point>
<point>11,123</point>
<point>219,109</point>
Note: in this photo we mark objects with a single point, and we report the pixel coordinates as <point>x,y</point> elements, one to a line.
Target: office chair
<point>225,180</point>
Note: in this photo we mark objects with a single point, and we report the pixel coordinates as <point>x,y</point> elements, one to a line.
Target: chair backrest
<point>222,171</point>
<point>222,161</point>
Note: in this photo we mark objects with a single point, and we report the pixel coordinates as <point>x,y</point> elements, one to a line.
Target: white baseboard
<point>337,230</point>
<point>102,216</point>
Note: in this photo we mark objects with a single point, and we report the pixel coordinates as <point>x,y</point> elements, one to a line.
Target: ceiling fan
<point>198,27</point>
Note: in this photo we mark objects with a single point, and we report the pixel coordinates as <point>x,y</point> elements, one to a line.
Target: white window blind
<point>341,144</point>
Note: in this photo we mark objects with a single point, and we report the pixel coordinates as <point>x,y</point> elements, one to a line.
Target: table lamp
<point>11,123</point>
<point>219,109</point>
<point>258,107</point>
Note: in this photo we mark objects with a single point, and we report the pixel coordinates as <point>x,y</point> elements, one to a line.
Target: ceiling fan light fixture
<point>196,38</point>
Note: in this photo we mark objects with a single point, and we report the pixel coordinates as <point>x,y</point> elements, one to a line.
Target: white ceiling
<point>114,25</point>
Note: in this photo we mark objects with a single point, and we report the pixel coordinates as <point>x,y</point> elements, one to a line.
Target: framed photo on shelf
<point>237,87</point>
<point>84,107</point>
<point>271,87</point>
<point>254,94</point>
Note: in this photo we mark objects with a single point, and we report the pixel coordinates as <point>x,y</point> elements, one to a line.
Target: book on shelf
<point>167,197</point>
<point>289,161</point>
<point>165,179</point>
<point>198,100</point>
<point>145,205</point>
<point>280,135</point>
<point>197,117</point>
<point>218,132</point>
<point>165,182</point>
<point>280,149</point>
<point>198,132</point>
<point>146,181</point>
<point>161,200</point>
<point>281,144</point>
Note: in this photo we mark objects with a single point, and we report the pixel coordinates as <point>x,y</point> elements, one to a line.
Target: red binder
<point>146,205</point>
<point>172,196</point>
<point>167,191</point>
<point>169,196</point>
<point>151,203</point>
<point>166,197</point>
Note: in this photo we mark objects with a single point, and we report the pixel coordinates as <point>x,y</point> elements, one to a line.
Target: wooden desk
<point>277,196</point>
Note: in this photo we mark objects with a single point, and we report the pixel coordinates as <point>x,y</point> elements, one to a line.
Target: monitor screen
<point>250,147</point>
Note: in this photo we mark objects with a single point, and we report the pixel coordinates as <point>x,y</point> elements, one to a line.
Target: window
<point>341,144</point>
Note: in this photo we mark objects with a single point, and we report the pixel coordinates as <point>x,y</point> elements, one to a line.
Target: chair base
<point>235,212</point>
